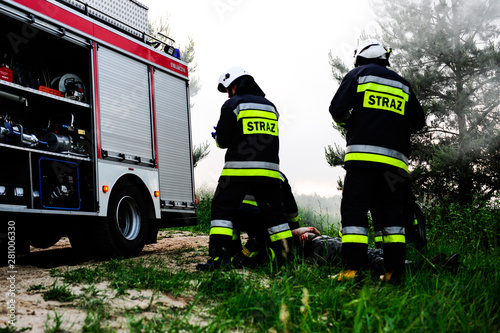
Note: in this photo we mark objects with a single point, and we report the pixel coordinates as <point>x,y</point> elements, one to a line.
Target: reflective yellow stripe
<point>281,235</point>
<point>250,202</point>
<point>378,239</point>
<point>355,239</point>
<point>251,173</point>
<point>415,222</point>
<point>256,114</point>
<point>394,239</point>
<point>377,150</point>
<point>293,218</point>
<point>221,231</point>
<point>376,158</point>
<point>383,89</point>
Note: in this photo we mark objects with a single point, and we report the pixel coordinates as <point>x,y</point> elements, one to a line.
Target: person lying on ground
<point>320,250</point>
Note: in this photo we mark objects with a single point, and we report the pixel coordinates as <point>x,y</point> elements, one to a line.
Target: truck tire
<point>124,232</point>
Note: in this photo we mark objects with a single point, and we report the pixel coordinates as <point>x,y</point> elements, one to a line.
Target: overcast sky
<point>284,44</point>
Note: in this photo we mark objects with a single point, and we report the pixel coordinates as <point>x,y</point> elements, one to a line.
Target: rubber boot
<point>244,257</point>
<point>346,275</point>
<point>214,264</point>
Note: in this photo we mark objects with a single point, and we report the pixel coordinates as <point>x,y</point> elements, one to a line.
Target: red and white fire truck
<point>95,133</point>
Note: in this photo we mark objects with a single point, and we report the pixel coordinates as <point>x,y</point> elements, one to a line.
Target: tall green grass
<point>302,298</point>
<point>431,298</point>
<point>471,228</point>
<point>203,207</point>
<point>428,301</point>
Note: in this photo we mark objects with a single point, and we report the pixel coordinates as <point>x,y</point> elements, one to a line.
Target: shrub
<point>470,227</point>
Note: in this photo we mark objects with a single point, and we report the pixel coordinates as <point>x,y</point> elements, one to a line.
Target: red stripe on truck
<point>83,25</point>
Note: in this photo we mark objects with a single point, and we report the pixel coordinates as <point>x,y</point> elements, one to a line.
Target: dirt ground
<point>32,311</point>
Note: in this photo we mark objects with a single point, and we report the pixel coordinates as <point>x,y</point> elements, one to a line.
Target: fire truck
<point>95,133</point>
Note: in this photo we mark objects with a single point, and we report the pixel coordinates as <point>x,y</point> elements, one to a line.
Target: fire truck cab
<point>95,133</point>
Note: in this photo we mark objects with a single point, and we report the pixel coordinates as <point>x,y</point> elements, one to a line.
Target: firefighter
<point>379,111</point>
<point>248,129</point>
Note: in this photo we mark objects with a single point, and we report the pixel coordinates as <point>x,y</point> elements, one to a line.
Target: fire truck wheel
<point>124,231</point>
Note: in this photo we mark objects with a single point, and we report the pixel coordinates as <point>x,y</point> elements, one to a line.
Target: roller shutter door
<point>174,138</point>
<point>124,105</point>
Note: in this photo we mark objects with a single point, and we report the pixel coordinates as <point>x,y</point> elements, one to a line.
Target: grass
<point>303,298</point>
<point>56,322</point>
<point>61,293</point>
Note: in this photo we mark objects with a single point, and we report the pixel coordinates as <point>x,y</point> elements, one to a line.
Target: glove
<point>213,133</point>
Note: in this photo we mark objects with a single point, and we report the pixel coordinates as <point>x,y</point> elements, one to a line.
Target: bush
<point>472,227</point>
<point>203,211</point>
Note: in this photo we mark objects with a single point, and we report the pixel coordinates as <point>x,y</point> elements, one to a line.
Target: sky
<point>284,45</point>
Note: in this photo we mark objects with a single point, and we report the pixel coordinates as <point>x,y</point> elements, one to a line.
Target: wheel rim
<point>128,218</point>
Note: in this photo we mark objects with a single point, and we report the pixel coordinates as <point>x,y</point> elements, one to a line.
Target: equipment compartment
<point>45,118</point>
<point>45,85</point>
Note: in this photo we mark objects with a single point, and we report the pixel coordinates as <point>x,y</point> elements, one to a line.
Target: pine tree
<point>449,51</point>
<point>188,55</point>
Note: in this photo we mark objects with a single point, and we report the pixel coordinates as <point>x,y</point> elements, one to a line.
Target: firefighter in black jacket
<point>248,128</point>
<point>379,110</point>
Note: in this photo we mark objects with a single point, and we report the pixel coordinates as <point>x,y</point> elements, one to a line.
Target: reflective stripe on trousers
<point>221,227</point>
<point>354,235</point>
<point>279,232</point>
<point>293,217</point>
<point>378,238</point>
<point>393,235</point>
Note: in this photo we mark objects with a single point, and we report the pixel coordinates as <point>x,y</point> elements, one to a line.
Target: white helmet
<point>229,76</point>
<point>371,49</point>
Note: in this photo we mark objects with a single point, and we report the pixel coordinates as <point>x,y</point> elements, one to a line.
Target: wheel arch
<point>139,184</point>
<point>153,222</point>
